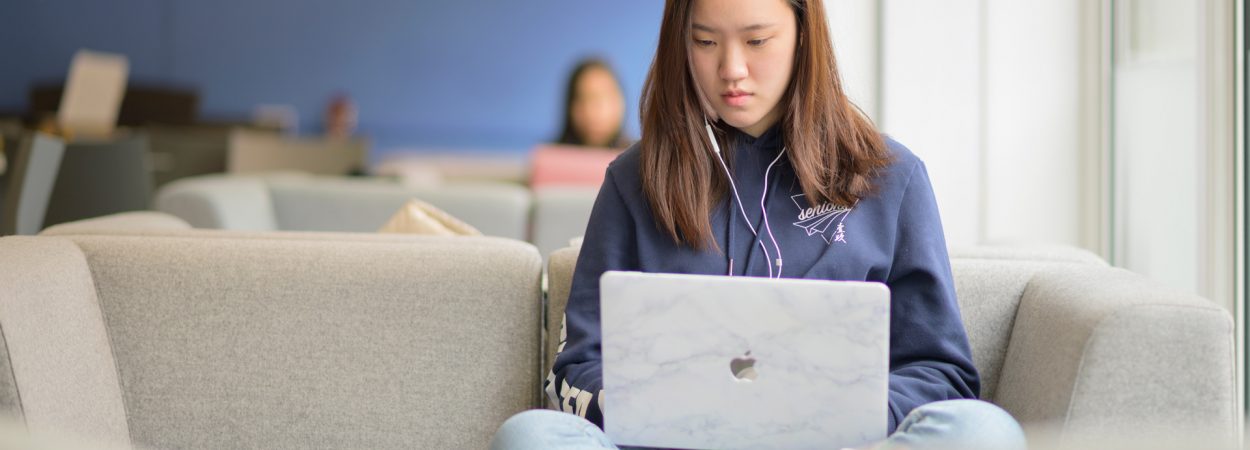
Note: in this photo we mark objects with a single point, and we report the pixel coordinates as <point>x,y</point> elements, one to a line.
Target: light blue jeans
<point>952,424</point>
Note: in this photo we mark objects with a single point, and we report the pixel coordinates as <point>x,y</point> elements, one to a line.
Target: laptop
<point>698,361</point>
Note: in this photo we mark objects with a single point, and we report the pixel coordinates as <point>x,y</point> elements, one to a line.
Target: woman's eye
<point>757,42</point>
<point>704,43</point>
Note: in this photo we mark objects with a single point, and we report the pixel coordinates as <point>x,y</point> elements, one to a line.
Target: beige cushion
<point>418,217</point>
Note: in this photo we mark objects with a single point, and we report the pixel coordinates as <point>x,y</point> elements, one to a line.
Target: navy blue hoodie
<point>893,236</point>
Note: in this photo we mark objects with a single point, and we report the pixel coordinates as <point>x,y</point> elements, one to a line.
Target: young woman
<point>594,107</point>
<point>753,162</point>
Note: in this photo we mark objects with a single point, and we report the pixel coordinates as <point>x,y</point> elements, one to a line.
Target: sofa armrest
<point>57,371</point>
<point>1103,350</point>
<point>559,280</point>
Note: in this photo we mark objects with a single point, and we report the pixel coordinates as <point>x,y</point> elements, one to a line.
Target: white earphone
<point>767,228</point>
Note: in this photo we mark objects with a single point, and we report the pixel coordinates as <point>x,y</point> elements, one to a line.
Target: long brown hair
<point>833,147</point>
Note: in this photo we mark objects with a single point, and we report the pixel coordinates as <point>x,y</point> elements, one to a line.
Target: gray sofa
<point>139,329</point>
<point>180,338</point>
<point>549,218</point>
<point>299,202</point>
<point>1067,344</point>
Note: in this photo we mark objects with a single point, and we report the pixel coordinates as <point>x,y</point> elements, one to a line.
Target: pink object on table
<point>566,165</point>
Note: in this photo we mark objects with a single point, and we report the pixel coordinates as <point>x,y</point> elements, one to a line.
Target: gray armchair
<point>1077,348</point>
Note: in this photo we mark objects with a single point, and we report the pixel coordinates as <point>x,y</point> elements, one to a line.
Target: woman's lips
<point>735,98</point>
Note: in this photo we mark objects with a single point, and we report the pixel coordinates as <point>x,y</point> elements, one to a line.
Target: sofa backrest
<point>296,340</point>
<point>560,214</point>
<point>1056,253</point>
<point>214,201</point>
<point>989,292</point>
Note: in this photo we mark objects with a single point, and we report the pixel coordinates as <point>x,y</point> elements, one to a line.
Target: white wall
<point>1156,184</point>
<point>987,93</point>
<point>931,101</point>
<point>853,25</point>
<point>990,95</point>
<point>1032,128</point>
<point>1174,145</point>
<point>1033,135</point>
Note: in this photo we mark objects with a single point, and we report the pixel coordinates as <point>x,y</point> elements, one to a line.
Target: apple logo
<point>743,367</point>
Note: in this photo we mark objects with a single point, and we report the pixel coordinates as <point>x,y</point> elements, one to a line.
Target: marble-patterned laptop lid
<point>697,361</point>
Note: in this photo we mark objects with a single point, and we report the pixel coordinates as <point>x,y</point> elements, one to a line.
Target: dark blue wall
<point>485,74</point>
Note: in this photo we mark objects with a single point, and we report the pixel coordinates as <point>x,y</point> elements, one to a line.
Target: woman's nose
<point>733,65</point>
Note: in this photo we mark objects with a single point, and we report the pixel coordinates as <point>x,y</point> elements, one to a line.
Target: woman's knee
<point>541,428</point>
<point>534,418</point>
<point>977,413</point>
<point>966,424</point>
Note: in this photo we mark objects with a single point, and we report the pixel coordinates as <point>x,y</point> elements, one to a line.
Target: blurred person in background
<point>594,107</point>
<point>340,117</point>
